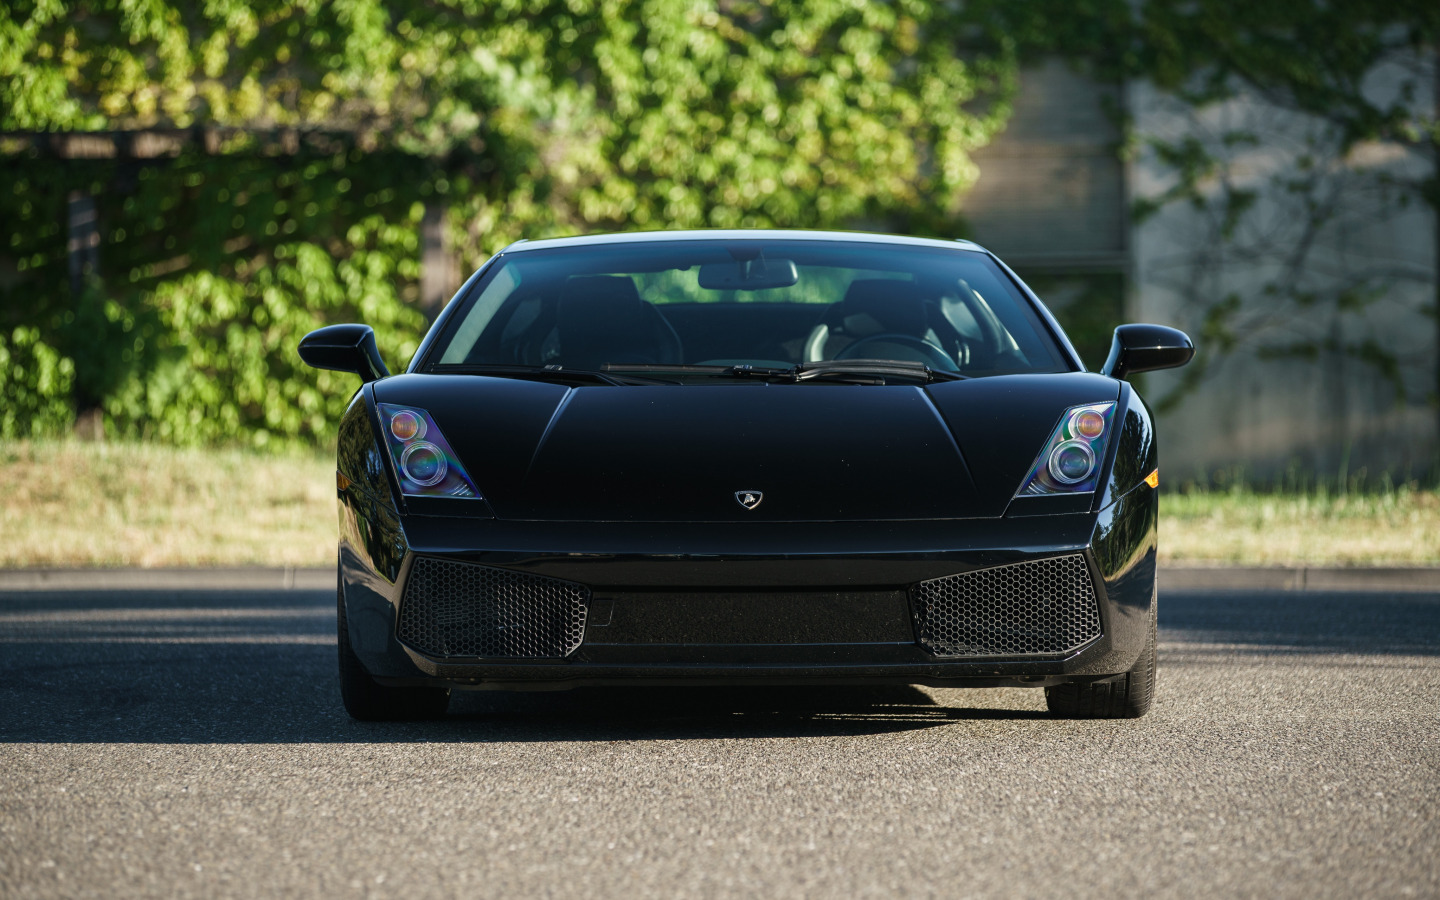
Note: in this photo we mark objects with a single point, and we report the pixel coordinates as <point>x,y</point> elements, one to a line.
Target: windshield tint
<point>746,302</point>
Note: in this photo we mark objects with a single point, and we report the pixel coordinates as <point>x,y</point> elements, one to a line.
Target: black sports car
<point>746,457</point>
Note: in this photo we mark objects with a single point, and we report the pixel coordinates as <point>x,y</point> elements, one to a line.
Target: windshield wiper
<point>872,368</point>
<point>538,373</point>
<point>864,371</point>
<point>714,371</point>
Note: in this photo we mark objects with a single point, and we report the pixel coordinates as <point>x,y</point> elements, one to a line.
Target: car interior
<point>587,320</point>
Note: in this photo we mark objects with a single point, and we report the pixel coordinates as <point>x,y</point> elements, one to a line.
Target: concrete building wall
<point>1051,192</point>
<point>1353,385</point>
<point>1051,201</point>
<point>1054,200</point>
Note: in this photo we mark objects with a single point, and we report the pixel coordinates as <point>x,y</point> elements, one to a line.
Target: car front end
<point>737,521</point>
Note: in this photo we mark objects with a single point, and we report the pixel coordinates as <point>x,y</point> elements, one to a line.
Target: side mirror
<point>344,348</point>
<point>1143,348</point>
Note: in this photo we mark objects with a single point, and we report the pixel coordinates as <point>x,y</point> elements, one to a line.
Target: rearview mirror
<point>344,348</point>
<point>1143,348</point>
<point>749,275</point>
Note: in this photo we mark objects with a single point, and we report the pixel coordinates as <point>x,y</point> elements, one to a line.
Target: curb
<point>237,579</point>
<point>318,579</point>
<point>1306,578</point>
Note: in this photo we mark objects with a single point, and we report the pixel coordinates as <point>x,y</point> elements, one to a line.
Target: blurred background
<point>189,187</point>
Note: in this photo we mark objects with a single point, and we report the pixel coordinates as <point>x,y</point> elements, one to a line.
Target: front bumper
<point>769,603</point>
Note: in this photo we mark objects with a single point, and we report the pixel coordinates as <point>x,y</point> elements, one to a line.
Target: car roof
<point>738,234</point>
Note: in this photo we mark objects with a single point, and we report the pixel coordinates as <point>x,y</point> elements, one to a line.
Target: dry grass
<point>1395,527</point>
<point>124,504</point>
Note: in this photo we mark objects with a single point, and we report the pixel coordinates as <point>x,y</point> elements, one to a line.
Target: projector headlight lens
<point>1071,462</point>
<point>423,463</point>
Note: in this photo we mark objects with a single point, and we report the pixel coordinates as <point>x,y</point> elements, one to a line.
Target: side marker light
<point>1153,479</point>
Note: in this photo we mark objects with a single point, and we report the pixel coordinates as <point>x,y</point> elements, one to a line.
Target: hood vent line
<point>549,427</point>
<point>949,433</point>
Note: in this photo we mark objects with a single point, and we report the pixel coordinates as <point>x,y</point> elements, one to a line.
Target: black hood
<point>810,452</point>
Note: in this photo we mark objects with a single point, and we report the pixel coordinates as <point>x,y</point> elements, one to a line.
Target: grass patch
<point>124,504</point>
<point>1393,526</point>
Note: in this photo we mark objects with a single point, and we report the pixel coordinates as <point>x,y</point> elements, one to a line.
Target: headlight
<point>1087,423</point>
<point>423,460</point>
<point>424,463</point>
<point>1070,462</point>
<point>407,426</point>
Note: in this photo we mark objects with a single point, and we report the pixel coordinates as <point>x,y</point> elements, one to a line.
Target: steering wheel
<point>992,344</point>
<point>934,357</point>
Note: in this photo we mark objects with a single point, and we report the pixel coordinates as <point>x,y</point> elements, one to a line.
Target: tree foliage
<point>525,118</point>
<point>575,114</point>
<point>1311,56</point>
<point>35,385</point>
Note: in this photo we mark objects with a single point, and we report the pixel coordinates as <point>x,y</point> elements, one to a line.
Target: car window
<point>759,302</point>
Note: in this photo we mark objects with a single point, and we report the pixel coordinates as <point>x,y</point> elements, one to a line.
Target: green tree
<point>330,125</point>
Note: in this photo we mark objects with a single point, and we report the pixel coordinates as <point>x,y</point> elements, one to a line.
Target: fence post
<point>438,271</point>
<point>83,252</point>
<point>84,244</point>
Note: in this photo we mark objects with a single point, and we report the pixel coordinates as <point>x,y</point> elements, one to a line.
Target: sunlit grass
<point>1394,525</point>
<point>126,504</point>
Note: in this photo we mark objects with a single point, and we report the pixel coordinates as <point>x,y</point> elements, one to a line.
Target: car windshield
<point>759,303</point>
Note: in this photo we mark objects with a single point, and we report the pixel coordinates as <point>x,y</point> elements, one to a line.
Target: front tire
<point>1126,696</point>
<point>370,702</point>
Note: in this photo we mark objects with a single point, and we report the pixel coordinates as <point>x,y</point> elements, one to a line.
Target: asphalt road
<point>173,743</point>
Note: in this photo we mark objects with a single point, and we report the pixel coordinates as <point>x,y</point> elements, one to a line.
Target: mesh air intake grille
<point>462,609</point>
<point>1043,607</point>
